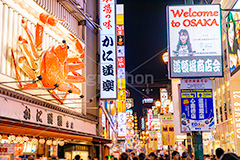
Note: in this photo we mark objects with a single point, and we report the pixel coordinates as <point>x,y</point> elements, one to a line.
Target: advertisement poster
<point>197,112</point>
<point>194,41</point>
<point>233,39</point>
<point>168,137</point>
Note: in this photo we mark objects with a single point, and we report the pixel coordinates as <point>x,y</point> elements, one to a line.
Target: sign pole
<point>197,144</point>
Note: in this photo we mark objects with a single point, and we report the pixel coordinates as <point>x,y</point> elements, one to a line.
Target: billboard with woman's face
<point>233,40</point>
<point>194,41</point>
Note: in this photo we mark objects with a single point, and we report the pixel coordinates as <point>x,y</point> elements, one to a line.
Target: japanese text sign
<point>194,41</point>
<point>197,112</point>
<point>108,84</point>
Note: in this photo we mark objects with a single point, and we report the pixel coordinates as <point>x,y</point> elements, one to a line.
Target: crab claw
<point>49,19</point>
<point>78,46</point>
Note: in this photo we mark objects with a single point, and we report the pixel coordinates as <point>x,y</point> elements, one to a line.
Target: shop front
<point>39,131</point>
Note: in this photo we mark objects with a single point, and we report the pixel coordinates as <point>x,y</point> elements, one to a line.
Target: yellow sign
<point>121,83</point>
<point>120,19</point>
<point>189,95</point>
<point>204,94</point>
<point>168,137</point>
<point>121,106</point>
<point>122,95</point>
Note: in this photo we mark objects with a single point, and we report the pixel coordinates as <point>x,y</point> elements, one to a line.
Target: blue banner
<point>197,112</point>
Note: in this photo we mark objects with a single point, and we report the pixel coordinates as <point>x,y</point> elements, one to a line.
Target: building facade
<point>37,118</point>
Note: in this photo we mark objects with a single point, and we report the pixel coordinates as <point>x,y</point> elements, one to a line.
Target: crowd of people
<point>175,155</point>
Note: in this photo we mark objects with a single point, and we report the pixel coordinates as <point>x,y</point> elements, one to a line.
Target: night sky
<point>145,42</point>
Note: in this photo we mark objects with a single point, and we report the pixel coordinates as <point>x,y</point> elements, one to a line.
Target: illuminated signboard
<point>233,39</point>
<point>194,41</point>
<point>108,84</point>
<point>150,117</point>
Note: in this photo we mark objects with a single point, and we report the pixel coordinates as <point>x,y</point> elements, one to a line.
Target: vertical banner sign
<point>121,58</point>
<point>121,69</point>
<point>108,84</point>
<point>163,97</point>
<point>194,41</point>
<point>122,118</point>
<point>150,118</point>
<point>142,123</point>
<point>197,112</point>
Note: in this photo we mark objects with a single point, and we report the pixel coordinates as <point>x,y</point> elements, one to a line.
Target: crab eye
<point>63,41</point>
<point>67,46</point>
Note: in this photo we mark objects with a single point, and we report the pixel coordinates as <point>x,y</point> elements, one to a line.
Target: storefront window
<point>229,106</point>
<point>221,115</point>
<point>225,110</point>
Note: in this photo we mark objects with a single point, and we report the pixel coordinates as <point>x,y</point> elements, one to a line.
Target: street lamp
<point>165,57</point>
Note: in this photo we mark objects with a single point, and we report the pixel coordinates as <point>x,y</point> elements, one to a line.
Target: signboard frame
<point>196,74</point>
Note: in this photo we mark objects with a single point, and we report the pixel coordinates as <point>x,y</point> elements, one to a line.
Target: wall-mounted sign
<point>122,124</point>
<point>147,100</point>
<point>197,112</point>
<point>142,123</point>
<point>150,117</point>
<point>194,41</point>
<point>108,85</point>
<point>39,115</point>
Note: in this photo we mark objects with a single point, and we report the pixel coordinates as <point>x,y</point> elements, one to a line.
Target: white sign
<point>163,95</point>
<point>147,100</point>
<point>7,149</point>
<point>108,85</point>
<point>194,41</point>
<point>122,126</point>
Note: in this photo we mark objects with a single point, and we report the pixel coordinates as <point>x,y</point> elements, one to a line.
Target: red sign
<point>186,101</point>
<point>120,62</point>
<point>120,30</point>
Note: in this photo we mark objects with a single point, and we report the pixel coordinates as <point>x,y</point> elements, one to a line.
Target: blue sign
<point>197,112</point>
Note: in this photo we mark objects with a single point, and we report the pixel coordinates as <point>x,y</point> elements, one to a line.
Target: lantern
<point>61,143</point>
<point>41,141</point>
<point>34,141</point>
<point>11,138</point>
<point>49,142</point>
<point>55,142</point>
<point>25,138</point>
<point>19,139</point>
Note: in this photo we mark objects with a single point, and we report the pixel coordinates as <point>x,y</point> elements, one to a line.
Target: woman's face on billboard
<point>183,37</point>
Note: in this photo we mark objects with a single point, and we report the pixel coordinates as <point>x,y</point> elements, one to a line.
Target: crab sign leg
<point>53,93</point>
<point>44,19</point>
<point>77,78</point>
<point>75,65</point>
<point>68,87</point>
<point>25,86</point>
<point>33,50</point>
<point>78,46</point>
<point>21,44</point>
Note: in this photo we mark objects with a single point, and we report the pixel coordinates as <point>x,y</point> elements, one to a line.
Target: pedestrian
<point>229,156</point>
<point>175,155</point>
<point>167,157</point>
<point>124,156</point>
<point>132,155</point>
<point>77,157</point>
<point>90,158</point>
<point>30,158</point>
<point>185,156</point>
<point>219,153</point>
<point>142,156</point>
<point>152,156</point>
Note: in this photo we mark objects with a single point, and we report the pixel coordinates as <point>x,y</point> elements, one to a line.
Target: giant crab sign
<point>49,69</point>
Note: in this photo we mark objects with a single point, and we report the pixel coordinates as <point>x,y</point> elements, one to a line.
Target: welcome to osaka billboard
<point>194,41</point>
